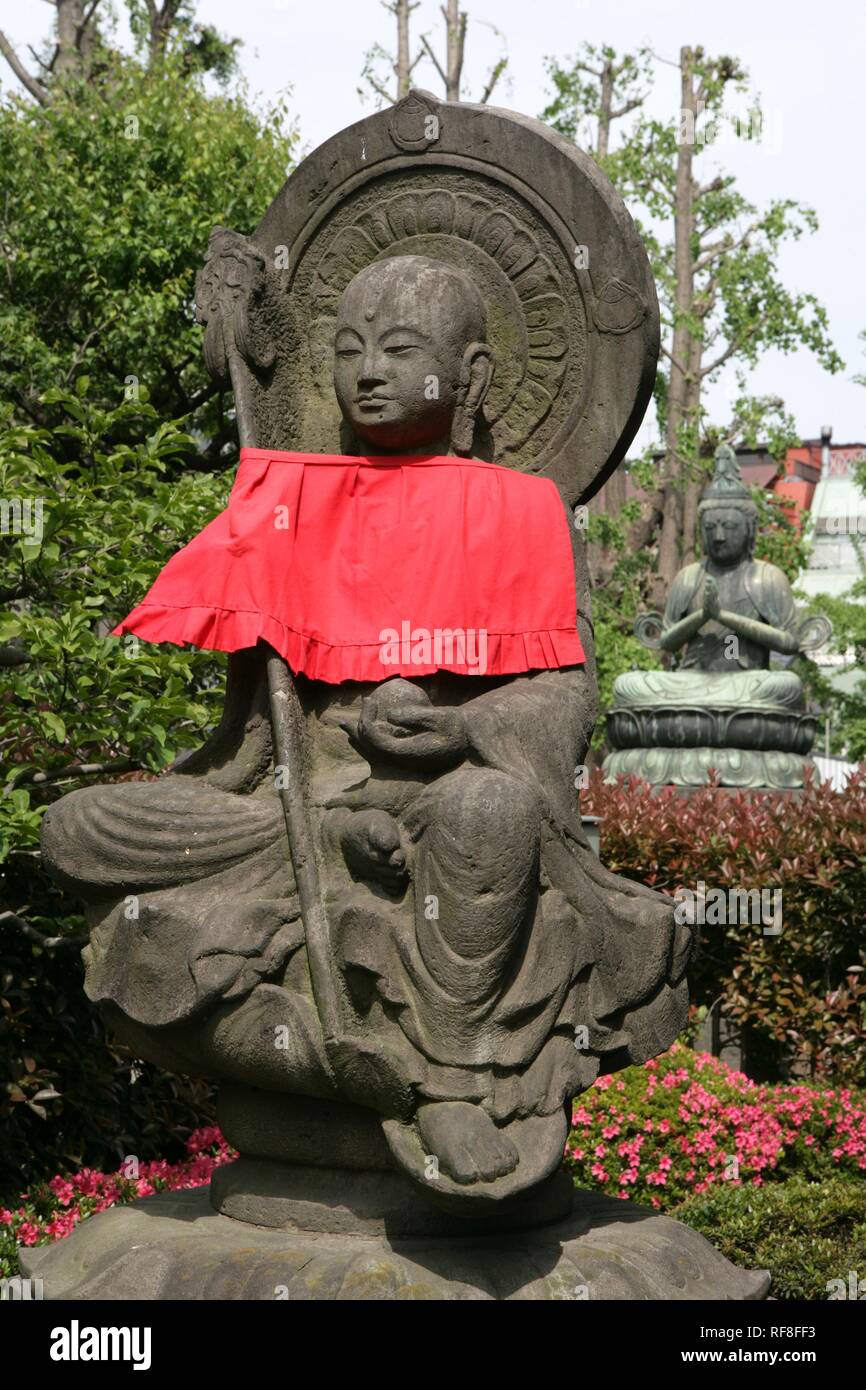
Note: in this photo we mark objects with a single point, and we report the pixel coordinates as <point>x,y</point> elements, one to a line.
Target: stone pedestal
<point>175,1246</point>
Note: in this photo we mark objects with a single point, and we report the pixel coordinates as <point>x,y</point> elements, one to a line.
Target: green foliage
<point>576,105</point>
<point>615,605</point>
<point>114,510</point>
<point>108,196</point>
<point>742,308</point>
<point>200,47</point>
<point>732,303</point>
<point>798,995</point>
<point>779,540</point>
<point>808,1235</point>
<point>69,1096</point>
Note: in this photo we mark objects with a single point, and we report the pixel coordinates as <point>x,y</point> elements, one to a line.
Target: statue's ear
<point>476,374</point>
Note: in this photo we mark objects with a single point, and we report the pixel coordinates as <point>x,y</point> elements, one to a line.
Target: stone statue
<point>366,907</point>
<point>725,707</point>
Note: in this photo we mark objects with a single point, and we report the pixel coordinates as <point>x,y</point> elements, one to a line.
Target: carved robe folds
<point>510,968</point>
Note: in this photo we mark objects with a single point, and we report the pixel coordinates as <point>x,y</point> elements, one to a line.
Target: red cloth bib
<point>364,568</point>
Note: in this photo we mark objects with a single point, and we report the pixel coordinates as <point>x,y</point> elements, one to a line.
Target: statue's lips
<point>372,402</point>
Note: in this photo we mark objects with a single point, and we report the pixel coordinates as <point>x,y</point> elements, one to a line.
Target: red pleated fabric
<point>356,569</point>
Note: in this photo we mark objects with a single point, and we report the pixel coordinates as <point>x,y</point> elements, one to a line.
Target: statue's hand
<point>372,848</point>
<point>712,603</point>
<point>399,720</point>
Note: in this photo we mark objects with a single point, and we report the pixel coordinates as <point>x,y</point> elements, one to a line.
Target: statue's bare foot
<point>372,848</point>
<point>466,1142</point>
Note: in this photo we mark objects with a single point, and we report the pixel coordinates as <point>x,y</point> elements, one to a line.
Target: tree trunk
<point>681,349</point>
<point>456,25</point>
<point>604,109</point>
<point>70,18</point>
<point>404,61</point>
<point>693,487</point>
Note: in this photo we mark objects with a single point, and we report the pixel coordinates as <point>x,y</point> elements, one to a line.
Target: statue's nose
<point>372,369</point>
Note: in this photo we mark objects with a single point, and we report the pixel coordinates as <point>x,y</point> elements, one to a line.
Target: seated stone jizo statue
<point>480,965</point>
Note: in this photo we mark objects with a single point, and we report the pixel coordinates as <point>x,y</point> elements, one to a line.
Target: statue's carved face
<point>408,355</point>
<point>726,533</point>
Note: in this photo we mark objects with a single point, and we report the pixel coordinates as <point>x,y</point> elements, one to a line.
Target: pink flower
<point>63,1190</point>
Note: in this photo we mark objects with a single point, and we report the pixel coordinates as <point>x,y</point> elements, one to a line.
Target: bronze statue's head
<point>728,532</point>
<point>728,515</point>
<point>411,367</point>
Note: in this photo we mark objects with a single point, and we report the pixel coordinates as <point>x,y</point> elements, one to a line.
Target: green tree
<point>107,198</point>
<point>714,256</point>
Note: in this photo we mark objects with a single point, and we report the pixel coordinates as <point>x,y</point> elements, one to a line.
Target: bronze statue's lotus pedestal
<point>726,710</point>
<point>366,907</point>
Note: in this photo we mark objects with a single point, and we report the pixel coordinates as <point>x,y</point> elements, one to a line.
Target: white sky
<point>805,60</point>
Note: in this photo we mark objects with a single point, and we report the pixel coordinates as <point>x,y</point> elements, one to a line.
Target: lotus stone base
<point>175,1246</point>
<point>691,767</point>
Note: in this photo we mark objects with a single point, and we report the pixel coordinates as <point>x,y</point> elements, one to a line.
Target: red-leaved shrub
<point>798,996</point>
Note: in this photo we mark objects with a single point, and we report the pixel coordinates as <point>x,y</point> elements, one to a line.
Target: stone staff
<point>230,285</point>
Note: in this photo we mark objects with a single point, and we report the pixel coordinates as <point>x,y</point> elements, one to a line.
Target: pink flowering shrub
<point>52,1210</point>
<point>685,1121</point>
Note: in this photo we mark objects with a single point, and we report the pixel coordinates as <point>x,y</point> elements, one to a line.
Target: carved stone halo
<point>536,319</point>
<point>571,306</point>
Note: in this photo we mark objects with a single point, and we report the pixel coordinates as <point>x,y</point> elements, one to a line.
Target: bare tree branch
<point>726,244</point>
<point>50,943</point>
<point>675,361</point>
<point>495,74</point>
<point>625,108</point>
<point>733,346</point>
<point>713,186</point>
<point>434,59</point>
<point>33,86</point>
<point>380,90</point>
<point>85,20</point>
<point>31,778</point>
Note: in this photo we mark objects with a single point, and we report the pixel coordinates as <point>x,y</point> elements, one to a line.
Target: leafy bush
<point>114,512</point>
<point>685,1123</point>
<point>810,1236</point>
<point>797,996</point>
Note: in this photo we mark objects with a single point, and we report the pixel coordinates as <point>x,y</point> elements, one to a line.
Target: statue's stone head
<point>411,367</point>
<point>728,516</point>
